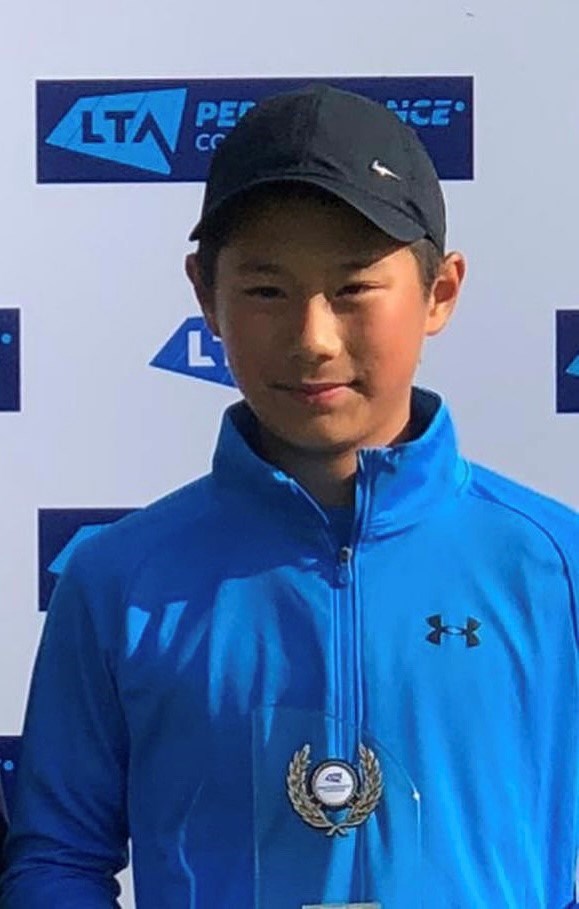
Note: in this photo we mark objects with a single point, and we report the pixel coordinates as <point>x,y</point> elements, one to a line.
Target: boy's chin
<point>317,441</point>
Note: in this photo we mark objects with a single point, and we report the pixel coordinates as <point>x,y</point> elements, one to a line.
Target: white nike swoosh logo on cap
<point>381,169</point>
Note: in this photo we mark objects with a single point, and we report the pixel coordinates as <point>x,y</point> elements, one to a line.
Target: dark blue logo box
<point>166,130</point>
<point>9,359</point>
<point>9,755</point>
<point>568,361</point>
<point>60,530</point>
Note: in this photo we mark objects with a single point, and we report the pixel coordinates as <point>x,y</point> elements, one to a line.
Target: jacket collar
<point>394,484</point>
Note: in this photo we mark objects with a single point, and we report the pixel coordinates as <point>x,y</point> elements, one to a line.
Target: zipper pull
<point>345,566</point>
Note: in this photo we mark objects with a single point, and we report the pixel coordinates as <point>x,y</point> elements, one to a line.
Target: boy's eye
<point>351,290</point>
<point>264,291</point>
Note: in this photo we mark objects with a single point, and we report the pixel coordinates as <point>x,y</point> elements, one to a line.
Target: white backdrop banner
<point>111,387</point>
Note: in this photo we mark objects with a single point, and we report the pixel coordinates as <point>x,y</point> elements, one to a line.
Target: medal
<point>334,786</point>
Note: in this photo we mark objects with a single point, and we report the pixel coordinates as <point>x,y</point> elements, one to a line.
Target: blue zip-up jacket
<point>194,648</point>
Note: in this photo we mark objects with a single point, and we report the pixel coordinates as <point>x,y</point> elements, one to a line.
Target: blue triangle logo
<point>194,351</point>
<point>58,564</point>
<point>139,129</point>
<point>573,368</point>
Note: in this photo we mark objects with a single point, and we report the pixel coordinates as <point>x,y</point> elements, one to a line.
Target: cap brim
<point>380,212</point>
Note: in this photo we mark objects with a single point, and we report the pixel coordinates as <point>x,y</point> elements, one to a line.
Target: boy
<point>341,670</point>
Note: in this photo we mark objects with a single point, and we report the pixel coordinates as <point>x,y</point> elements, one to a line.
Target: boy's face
<point>323,318</point>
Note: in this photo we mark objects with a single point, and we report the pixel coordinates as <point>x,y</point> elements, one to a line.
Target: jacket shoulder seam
<point>559,547</point>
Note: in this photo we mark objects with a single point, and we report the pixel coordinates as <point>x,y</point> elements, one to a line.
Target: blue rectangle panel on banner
<point>60,531</point>
<point>568,361</point>
<point>9,754</point>
<point>9,360</point>
<point>166,130</point>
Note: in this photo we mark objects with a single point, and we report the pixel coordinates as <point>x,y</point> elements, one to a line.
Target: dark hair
<point>429,259</point>
<point>219,231</point>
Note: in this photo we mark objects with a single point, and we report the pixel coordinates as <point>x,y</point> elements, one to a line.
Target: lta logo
<point>138,129</point>
<point>194,351</point>
<point>568,361</point>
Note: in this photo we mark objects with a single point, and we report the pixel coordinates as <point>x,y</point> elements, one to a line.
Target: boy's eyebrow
<point>255,266</point>
<point>358,264</point>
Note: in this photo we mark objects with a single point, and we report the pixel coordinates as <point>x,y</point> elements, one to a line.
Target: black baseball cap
<point>352,147</point>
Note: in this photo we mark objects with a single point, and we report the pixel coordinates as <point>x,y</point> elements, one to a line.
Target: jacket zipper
<point>346,660</point>
<point>345,650</point>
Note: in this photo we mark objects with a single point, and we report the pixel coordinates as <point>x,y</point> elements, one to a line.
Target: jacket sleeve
<point>68,832</point>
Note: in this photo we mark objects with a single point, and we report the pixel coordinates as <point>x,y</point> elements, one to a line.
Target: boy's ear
<point>205,295</point>
<point>445,291</point>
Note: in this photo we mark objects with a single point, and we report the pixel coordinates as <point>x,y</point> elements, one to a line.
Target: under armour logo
<point>471,639</point>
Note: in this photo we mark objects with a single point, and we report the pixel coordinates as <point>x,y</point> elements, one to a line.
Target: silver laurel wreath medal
<point>334,785</point>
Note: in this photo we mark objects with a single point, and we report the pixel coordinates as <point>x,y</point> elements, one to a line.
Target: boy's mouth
<point>316,392</point>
